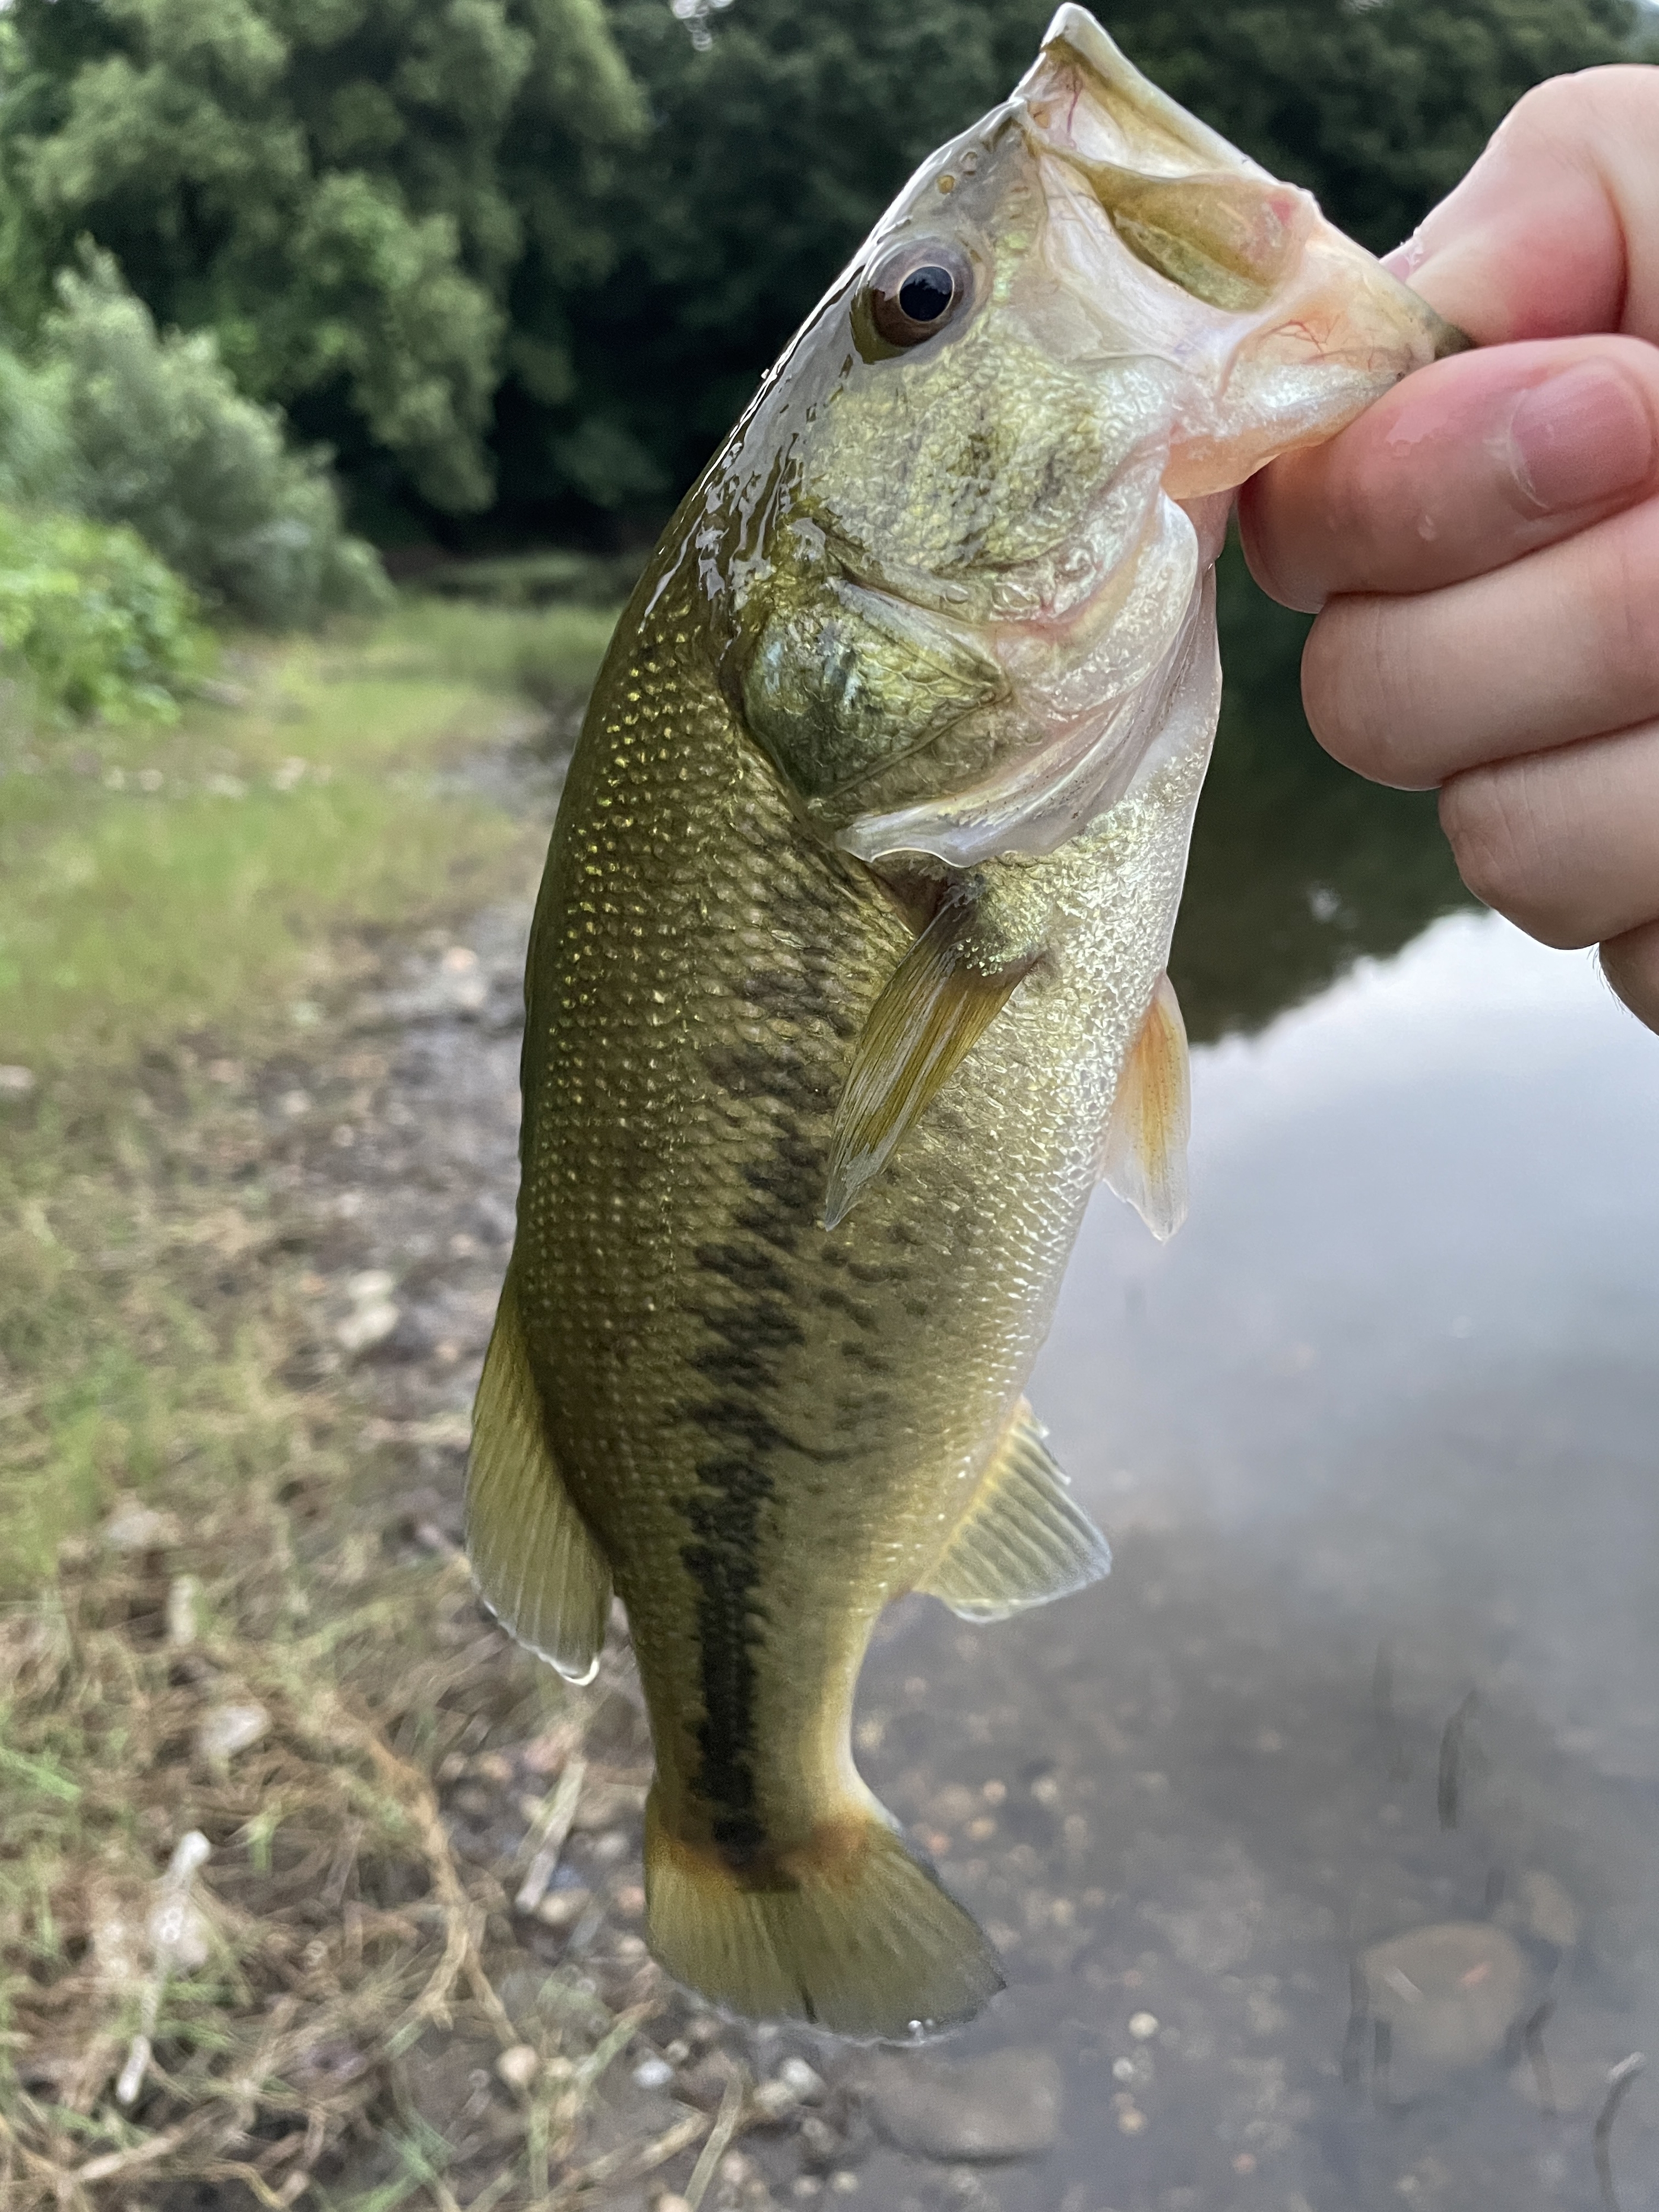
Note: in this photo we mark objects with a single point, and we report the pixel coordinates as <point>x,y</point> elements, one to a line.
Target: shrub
<point>91,621</point>
<point>37,457</point>
<point>164,440</point>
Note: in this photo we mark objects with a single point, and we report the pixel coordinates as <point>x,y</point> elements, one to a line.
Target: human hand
<point>1482,545</point>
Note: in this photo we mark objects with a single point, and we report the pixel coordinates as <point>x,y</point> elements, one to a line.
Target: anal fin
<point>1023,1539</point>
<point>1144,1158</point>
<point>936,1005</point>
<point>537,1567</point>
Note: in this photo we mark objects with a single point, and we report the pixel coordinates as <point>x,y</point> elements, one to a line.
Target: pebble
<point>230,1728</point>
<point>183,1608</point>
<point>1005,2104</point>
<point>367,1326</point>
<point>1451,1994</point>
<point>801,2079</point>
<point>1143,2026</point>
<point>653,2073</point>
<point>562,1908</point>
<point>520,2066</point>
<point>15,1082</point>
<point>135,1527</point>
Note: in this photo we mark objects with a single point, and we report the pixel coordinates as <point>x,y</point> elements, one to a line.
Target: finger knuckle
<point>1556,113</point>
<point>1630,603</point>
<point>1491,818</point>
<point>1355,685</point>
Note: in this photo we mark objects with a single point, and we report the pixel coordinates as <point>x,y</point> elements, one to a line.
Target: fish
<point>847,985</point>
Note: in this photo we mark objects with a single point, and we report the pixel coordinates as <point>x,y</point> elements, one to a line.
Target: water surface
<point>1374,1439</point>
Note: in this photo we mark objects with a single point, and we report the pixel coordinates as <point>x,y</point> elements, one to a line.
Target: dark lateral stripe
<point>753,1298</point>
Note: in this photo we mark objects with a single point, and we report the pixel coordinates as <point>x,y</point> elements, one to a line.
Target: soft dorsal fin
<point>539,1569</point>
<point>935,1007</point>
<point>1022,1540</point>
<point>1144,1158</point>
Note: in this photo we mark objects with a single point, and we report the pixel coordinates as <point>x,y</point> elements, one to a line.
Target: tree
<point>774,148</point>
<point>344,190</point>
<point>542,250</point>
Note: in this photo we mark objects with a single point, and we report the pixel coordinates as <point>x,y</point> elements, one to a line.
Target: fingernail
<point>1580,438</point>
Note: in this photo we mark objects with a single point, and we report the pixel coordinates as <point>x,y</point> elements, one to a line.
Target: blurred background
<point>352,355</point>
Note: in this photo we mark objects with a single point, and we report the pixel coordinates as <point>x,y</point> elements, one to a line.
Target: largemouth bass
<point>846,983</point>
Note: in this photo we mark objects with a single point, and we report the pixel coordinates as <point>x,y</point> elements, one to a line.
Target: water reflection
<point>1321,1839</point>
<point>1298,868</point>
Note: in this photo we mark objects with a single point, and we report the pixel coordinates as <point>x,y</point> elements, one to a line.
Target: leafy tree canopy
<point>541,250</point>
<point>344,190</point>
<point>773,150</point>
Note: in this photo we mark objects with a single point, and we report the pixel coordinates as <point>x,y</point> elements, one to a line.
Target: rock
<point>563,1908</point>
<point>801,2079</point>
<point>183,1611</point>
<point>1451,1994</point>
<point>519,2066</point>
<point>373,1317</point>
<point>1004,2105</point>
<point>15,1082</point>
<point>367,1326</point>
<point>135,1527</point>
<point>230,1728</point>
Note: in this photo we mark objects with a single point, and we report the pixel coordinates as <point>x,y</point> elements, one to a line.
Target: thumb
<point>1555,230</point>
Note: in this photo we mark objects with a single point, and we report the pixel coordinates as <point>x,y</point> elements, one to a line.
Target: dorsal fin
<point>539,1569</point>
<point>1143,1158</point>
<point>935,1006</point>
<point>1023,1539</point>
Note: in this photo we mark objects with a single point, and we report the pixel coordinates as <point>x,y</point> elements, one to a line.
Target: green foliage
<point>91,621</point>
<point>37,455</point>
<point>775,149</point>
<point>162,439</point>
<point>1380,108</point>
<point>346,190</point>
<point>546,247</point>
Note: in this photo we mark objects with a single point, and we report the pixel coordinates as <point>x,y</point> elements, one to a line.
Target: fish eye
<point>917,290</point>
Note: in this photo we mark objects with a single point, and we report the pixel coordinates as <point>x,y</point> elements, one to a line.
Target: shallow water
<point>1374,1439</point>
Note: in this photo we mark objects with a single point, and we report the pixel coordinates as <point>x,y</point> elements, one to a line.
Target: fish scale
<point>815,1096</point>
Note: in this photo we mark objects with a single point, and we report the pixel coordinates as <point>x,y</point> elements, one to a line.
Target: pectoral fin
<point>921,1029</point>
<point>1144,1158</point>
<point>1022,1540</point>
<point>539,1569</point>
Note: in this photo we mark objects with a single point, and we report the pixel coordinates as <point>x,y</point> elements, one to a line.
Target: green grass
<point>206,881</point>
<point>154,882</point>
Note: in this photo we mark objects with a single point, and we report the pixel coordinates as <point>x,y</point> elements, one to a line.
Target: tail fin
<point>852,1933</point>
